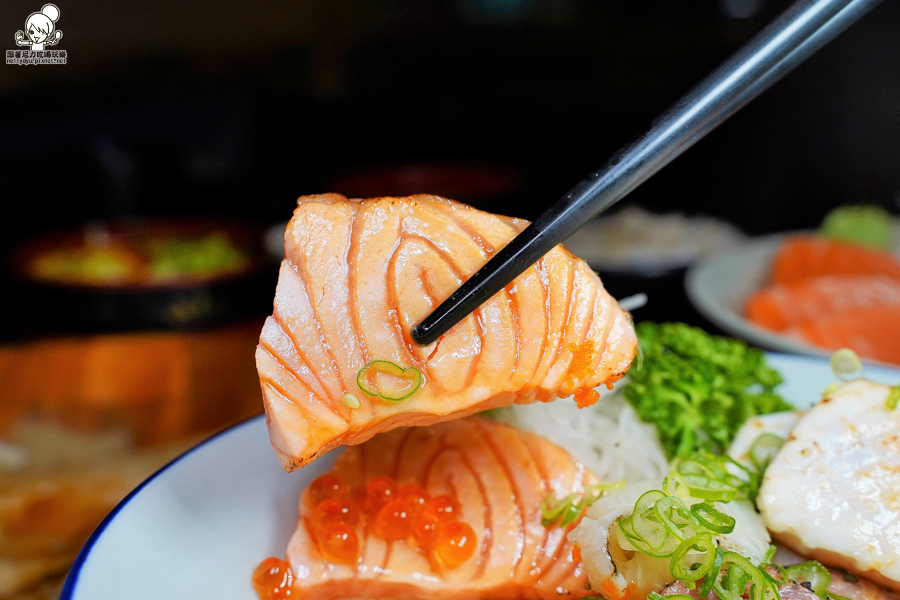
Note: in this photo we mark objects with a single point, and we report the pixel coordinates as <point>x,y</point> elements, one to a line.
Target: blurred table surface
<point>83,420</point>
<point>160,385</point>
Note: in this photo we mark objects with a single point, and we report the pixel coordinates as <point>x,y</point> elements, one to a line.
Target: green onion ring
<point>764,449</point>
<point>713,574</point>
<point>813,572</point>
<point>363,379</point>
<point>712,519</point>
<point>700,543</point>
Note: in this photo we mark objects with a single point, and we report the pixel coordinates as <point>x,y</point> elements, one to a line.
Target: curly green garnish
<point>698,389</point>
<point>406,381</point>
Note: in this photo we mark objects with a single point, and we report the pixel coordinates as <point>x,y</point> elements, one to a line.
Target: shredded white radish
<point>607,437</point>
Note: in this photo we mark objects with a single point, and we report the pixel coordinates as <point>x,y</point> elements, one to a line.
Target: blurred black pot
<point>54,307</point>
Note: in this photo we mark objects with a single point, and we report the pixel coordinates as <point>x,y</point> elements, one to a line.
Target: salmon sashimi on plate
<point>336,361</point>
<point>446,512</point>
<point>873,332</point>
<point>805,256</point>
<point>781,306</point>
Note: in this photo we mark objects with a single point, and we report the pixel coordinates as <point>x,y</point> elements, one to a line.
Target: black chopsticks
<point>786,42</point>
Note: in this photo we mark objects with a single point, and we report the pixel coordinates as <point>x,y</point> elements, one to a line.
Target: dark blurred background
<point>236,108</point>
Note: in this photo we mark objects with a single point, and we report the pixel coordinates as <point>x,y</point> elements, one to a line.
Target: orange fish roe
<point>340,514</point>
<point>272,579</point>
<point>336,510</point>
<point>444,508</point>
<point>586,397</point>
<point>339,544</point>
<point>394,520</point>
<point>576,553</point>
<point>582,364</point>
<point>455,544</point>
<point>425,530</point>
<point>327,486</point>
<point>415,495</point>
<point>380,490</point>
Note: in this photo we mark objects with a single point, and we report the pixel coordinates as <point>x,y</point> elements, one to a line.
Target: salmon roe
<point>325,487</point>
<point>389,511</point>
<point>443,508</point>
<point>272,579</point>
<point>394,520</point>
<point>339,543</point>
<point>455,544</point>
<point>379,491</point>
<point>425,530</point>
<point>336,510</point>
<point>415,495</point>
<point>586,397</point>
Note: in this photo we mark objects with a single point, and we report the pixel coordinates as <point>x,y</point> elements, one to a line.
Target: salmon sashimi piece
<point>873,332</point>
<point>498,474</point>
<point>805,256</point>
<point>780,306</point>
<point>359,274</point>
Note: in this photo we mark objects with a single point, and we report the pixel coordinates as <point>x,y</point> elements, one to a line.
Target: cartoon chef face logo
<point>40,29</point>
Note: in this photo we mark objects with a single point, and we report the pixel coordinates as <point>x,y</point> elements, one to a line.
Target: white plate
<point>720,285</point>
<point>198,527</point>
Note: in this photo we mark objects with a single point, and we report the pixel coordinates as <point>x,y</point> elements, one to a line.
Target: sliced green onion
<point>749,572</point>
<point>831,387</point>
<point>552,509</point>
<point>572,506</point>
<point>764,449</point>
<point>708,488</point>
<point>668,509</point>
<point>707,476</point>
<point>846,364</point>
<point>811,572</point>
<point>662,526</point>
<point>893,397</point>
<point>725,594</point>
<point>712,519</point>
<point>366,380</point>
<point>735,580</point>
<point>710,578</point>
<point>698,543</point>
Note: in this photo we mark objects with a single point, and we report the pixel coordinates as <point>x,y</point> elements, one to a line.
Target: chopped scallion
<point>408,379</point>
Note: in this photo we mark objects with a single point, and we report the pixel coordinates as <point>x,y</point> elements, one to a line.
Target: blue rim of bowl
<point>72,578</point>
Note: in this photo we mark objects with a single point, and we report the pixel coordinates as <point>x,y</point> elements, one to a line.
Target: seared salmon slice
<point>359,274</point>
<point>498,475</point>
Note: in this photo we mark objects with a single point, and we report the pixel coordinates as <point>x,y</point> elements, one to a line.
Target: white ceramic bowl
<point>199,526</point>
